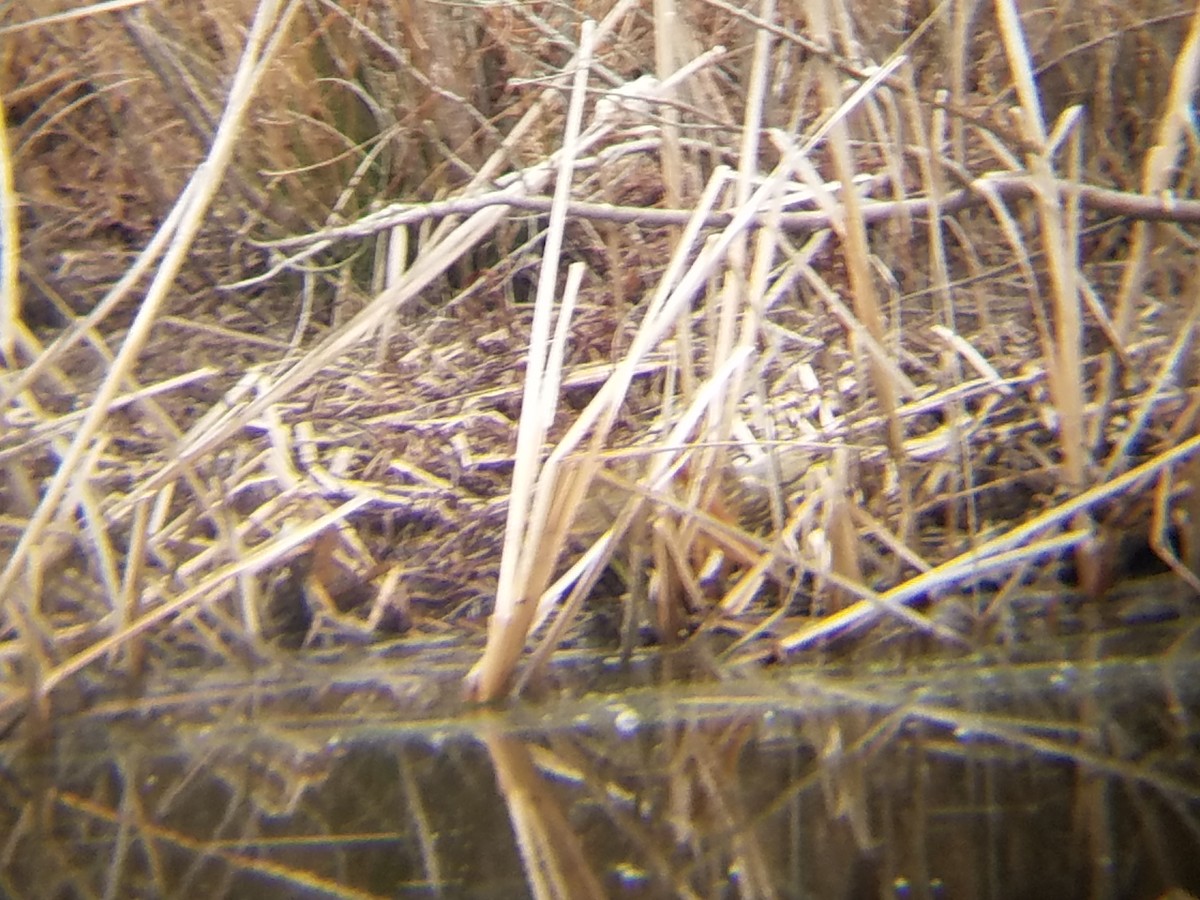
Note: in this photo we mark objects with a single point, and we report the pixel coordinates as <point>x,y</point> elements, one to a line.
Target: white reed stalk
<point>261,42</point>
<point>1004,551</point>
<point>70,15</point>
<point>509,622</point>
<point>10,248</point>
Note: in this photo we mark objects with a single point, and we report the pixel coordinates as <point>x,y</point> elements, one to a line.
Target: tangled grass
<point>323,322</point>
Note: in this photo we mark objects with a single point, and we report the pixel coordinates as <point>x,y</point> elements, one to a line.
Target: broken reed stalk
<point>521,591</point>
<point>530,553</point>
<point>667,459</point>
<point>996,555</point>
<point>12,329</point>
<point>431,263</point>
<point>930,138</point>
<point>74,471</point>
<point>92,9</point>
<point>595,422</point>
<point>1172,138</point>
<point>743,287</point>
<point>1063,347</point>
<point>743,300</point>
<point>668,36</point>
<point>667,310</point>
<point>986,189</point>
<point>852,231</point>
<point>508,628</point>
<point>174,557</point>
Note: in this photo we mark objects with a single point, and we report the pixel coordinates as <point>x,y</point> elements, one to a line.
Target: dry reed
<point>820,334</point>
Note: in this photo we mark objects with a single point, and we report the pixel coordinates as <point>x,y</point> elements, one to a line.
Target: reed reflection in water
<point>1035,780</point>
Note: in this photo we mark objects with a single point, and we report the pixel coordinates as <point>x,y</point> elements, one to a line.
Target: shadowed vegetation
<point>762,406</point>
<point>785,333</point>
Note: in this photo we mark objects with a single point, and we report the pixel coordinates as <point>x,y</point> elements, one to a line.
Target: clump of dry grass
<point>801,332</point>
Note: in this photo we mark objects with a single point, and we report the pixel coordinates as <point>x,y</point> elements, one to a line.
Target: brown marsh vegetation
<point>781,332</point>
<point>312,335</point>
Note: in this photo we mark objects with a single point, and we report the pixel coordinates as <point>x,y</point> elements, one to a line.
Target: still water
<point>994,775</point>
